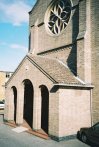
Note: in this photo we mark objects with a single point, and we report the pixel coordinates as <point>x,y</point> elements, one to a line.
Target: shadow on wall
<point>44,108</point>
<point>72,59</point>
<point>28,102</point>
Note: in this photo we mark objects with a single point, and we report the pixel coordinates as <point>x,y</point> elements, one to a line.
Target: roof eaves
<point>74,85</point>
<point>16,70</point>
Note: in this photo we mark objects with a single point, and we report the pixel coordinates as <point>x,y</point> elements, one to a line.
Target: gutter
<point>74,85</point>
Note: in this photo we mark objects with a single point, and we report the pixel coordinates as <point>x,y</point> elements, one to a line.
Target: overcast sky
<point>14,32</point>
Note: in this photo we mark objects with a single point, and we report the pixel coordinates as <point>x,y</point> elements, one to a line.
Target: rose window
<point>57,16</point>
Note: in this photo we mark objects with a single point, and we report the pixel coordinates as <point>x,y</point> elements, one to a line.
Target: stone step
<point>39,133</point>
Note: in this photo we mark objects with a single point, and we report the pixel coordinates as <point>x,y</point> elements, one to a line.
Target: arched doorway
<point>44,108</point>
<point>15,101</point>
<point>28,102</point>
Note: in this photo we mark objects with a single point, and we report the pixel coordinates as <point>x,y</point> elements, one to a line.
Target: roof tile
<point>55,69</point>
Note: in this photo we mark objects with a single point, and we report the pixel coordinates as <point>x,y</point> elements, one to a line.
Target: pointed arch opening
<point>15,101</point>
<point>28,102</point>
<point>44,108</point>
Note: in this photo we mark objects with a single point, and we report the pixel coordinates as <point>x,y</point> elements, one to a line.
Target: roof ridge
<point>62,63</point>
<point>42,56</point>
<point>76,77</point>
<point>80,80</point>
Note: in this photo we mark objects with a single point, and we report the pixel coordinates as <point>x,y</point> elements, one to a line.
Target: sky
<point>14,32</point>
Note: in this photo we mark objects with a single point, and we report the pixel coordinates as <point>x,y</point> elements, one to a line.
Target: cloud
<point>15,13</point>
<point>18,46</point>
<point>13,46</point>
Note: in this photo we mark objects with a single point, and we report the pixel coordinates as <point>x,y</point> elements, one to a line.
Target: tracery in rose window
<point>59,15</point>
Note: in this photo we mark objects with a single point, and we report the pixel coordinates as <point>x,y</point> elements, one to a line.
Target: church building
<point>55,87</point>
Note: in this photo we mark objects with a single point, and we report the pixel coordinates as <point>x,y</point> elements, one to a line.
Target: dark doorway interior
<point>15,102</point>
<point>28,102</point>
<point>44,108</point>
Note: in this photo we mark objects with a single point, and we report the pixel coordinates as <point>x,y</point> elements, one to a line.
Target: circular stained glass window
<point>57,16</point>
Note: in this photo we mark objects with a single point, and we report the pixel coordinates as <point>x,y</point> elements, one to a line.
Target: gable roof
<point>55,69</point>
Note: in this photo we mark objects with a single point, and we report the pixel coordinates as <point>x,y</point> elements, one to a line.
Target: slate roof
<point>55,69</point>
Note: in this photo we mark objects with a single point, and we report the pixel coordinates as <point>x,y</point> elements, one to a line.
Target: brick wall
<point>95,57</point>
<point>74,110</point>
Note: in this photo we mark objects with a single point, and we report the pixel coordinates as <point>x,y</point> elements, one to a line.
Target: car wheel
<point>84,137</point>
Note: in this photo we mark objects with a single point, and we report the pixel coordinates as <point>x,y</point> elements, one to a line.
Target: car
<point>89,135</point>
<point>2,105</point>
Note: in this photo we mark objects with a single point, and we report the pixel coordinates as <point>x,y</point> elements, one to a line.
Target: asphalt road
<point>9,138</point>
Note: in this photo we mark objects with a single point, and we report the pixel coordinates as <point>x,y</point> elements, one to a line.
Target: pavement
<point>10,138</point>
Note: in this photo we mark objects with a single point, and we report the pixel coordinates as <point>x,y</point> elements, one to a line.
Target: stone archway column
<point>20,102</point>
<point>9,105</point>
<point>37,109</point>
